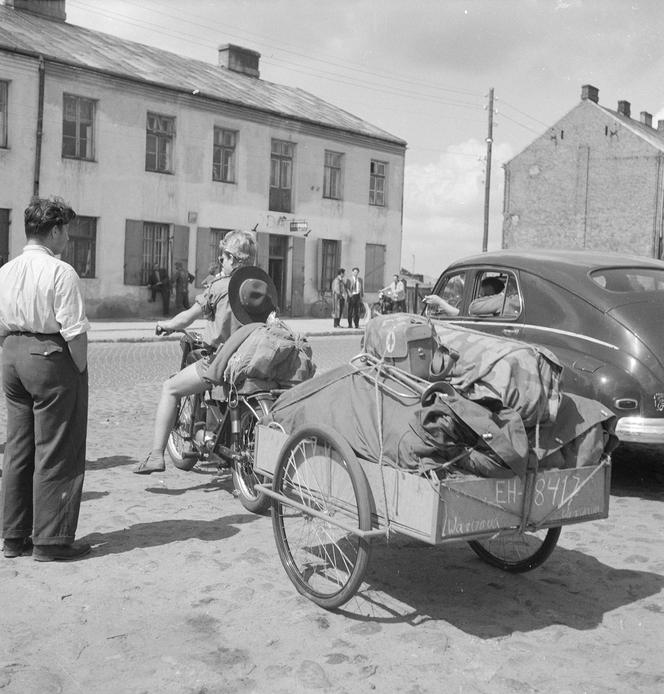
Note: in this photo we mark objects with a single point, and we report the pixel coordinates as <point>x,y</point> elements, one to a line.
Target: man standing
<point>181,287</point>
<point>339,294</point>
<point>154,282</point>
<point>355,294</point>
<point>43,331</point>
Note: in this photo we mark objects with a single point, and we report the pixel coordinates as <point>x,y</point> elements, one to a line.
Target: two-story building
<point>594,180</point>
<point>160,155</point>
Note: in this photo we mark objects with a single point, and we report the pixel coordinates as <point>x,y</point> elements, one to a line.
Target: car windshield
<point>627,279</point>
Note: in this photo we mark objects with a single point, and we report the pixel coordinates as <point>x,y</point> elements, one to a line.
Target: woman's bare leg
<point>185,382</point>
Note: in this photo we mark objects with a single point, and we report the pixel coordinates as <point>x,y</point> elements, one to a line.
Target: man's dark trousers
<point>44,461</point>
<point>354,310</point>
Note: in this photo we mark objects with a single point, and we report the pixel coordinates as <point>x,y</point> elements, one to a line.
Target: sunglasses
<point>230,255</point>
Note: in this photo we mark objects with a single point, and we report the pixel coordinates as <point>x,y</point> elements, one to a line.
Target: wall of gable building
<point>116,189</point>
<point>589,182</point>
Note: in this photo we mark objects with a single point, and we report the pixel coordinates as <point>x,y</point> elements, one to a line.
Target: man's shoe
<point>16,547</point>
<point>60,552</point>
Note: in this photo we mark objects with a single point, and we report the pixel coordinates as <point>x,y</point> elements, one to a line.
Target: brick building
<point>161,155</point>
<point>594,180</point>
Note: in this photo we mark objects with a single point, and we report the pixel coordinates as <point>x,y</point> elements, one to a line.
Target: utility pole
<point>487,174</point>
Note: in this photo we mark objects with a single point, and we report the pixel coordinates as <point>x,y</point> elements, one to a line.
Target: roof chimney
<point>624,108</point>
<point>239,59</point>
<point>646,118</point>
<point>51,9</point>
<point>589,93</point>
<point>660,125</point>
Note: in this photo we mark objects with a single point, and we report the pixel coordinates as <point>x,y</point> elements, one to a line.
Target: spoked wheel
<point>180,440</point>
<point>323,558</point>
<point>244,476</point>
<point>514,551</point>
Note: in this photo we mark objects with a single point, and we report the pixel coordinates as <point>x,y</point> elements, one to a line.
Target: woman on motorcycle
<point>237,249</point>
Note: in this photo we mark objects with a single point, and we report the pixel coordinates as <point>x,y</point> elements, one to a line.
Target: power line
<point>333,60</point>
<point>344,79</point>
<point>523,113</point>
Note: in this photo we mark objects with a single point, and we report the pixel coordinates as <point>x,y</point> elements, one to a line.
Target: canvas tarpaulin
<point>518,375</point>
<point>384,419</point>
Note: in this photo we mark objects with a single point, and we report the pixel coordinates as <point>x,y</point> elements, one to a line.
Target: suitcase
<point>409,342</point>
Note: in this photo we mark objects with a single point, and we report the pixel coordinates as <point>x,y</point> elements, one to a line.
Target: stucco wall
<point>115,187</point>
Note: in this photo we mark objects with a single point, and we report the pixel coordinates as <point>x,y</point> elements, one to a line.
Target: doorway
<point>277,269</point>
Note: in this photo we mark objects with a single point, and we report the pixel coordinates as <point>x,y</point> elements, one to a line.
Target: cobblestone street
<point>184,591</point>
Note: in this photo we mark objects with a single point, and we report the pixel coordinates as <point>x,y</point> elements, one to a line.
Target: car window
<point>451,290</point>
<point>625,279</point>
<point>495,293</point>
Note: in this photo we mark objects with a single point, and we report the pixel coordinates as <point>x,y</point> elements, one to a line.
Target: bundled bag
<point>271,354</point>
<point>515,374</point>
<point>409,342</point>
<point>582,433</point>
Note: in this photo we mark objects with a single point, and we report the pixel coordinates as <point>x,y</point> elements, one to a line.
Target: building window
<point>374,270</point>
<point>78,116</point>
<point>155,248</point>
<point>223,155</point>
<point>216,236</point>
<point>4,94</point>
<point>4,236</point>
<point>281,175</point>
<point>378,171</point>
<point>329,263</point>
<point>81,249</point>
<point>160,135</point>
<point>332,175</point>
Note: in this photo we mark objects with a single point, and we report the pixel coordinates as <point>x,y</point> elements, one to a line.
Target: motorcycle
<point>217,426</point>
<point>385,304</point>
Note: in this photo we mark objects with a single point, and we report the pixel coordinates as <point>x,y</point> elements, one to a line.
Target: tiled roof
<point>25,32</point>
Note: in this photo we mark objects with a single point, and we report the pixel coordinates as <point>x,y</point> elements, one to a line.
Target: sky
<point>422,70</point>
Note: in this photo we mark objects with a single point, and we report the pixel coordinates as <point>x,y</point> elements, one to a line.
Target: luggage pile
<point>452,400</point>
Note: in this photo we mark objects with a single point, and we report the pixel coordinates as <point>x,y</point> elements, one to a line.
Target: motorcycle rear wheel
<point>180,444</point>
<point>244,475</point>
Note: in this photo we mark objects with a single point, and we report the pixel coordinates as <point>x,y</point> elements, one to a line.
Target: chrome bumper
<point>640,430</point>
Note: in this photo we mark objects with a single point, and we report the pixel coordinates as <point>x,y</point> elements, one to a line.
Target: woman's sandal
<point>151,464</point>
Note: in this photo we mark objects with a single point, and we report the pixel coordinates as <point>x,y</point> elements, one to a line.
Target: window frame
<point>5,222</point>
<point>281,167</point>
<point>333,175</point>
<point>330,252</point>
<point>81,243</point>
<point>156,248</point>
<point>224,155</point>
<point>377,183</point>
<point>4,114</point>
<point>162,137</point>
<point>79,123</point>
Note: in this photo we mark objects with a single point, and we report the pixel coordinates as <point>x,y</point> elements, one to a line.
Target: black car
<point>601,314</point>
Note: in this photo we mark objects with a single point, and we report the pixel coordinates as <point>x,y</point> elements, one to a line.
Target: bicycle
<point>322,308</point>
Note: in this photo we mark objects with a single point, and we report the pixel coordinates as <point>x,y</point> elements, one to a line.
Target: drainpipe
<point>40,128</point>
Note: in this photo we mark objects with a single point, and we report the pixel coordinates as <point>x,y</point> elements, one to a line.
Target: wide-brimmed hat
<point>252,295</point>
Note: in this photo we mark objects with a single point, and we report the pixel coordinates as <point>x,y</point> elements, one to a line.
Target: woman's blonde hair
<point>240,244</point>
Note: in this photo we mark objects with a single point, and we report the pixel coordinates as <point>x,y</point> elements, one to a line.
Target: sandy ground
<point>184,593</point>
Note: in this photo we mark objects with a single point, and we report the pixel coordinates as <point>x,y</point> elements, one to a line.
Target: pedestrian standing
<point>355,295</point>
<point>165,290</point>
<point>339,295</point>
<point>181,280</point>
<point>43,332</point>
<point>154,282</point>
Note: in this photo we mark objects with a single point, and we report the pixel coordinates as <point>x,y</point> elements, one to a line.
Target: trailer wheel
<point>516,552</point>
<point>318,470</point>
